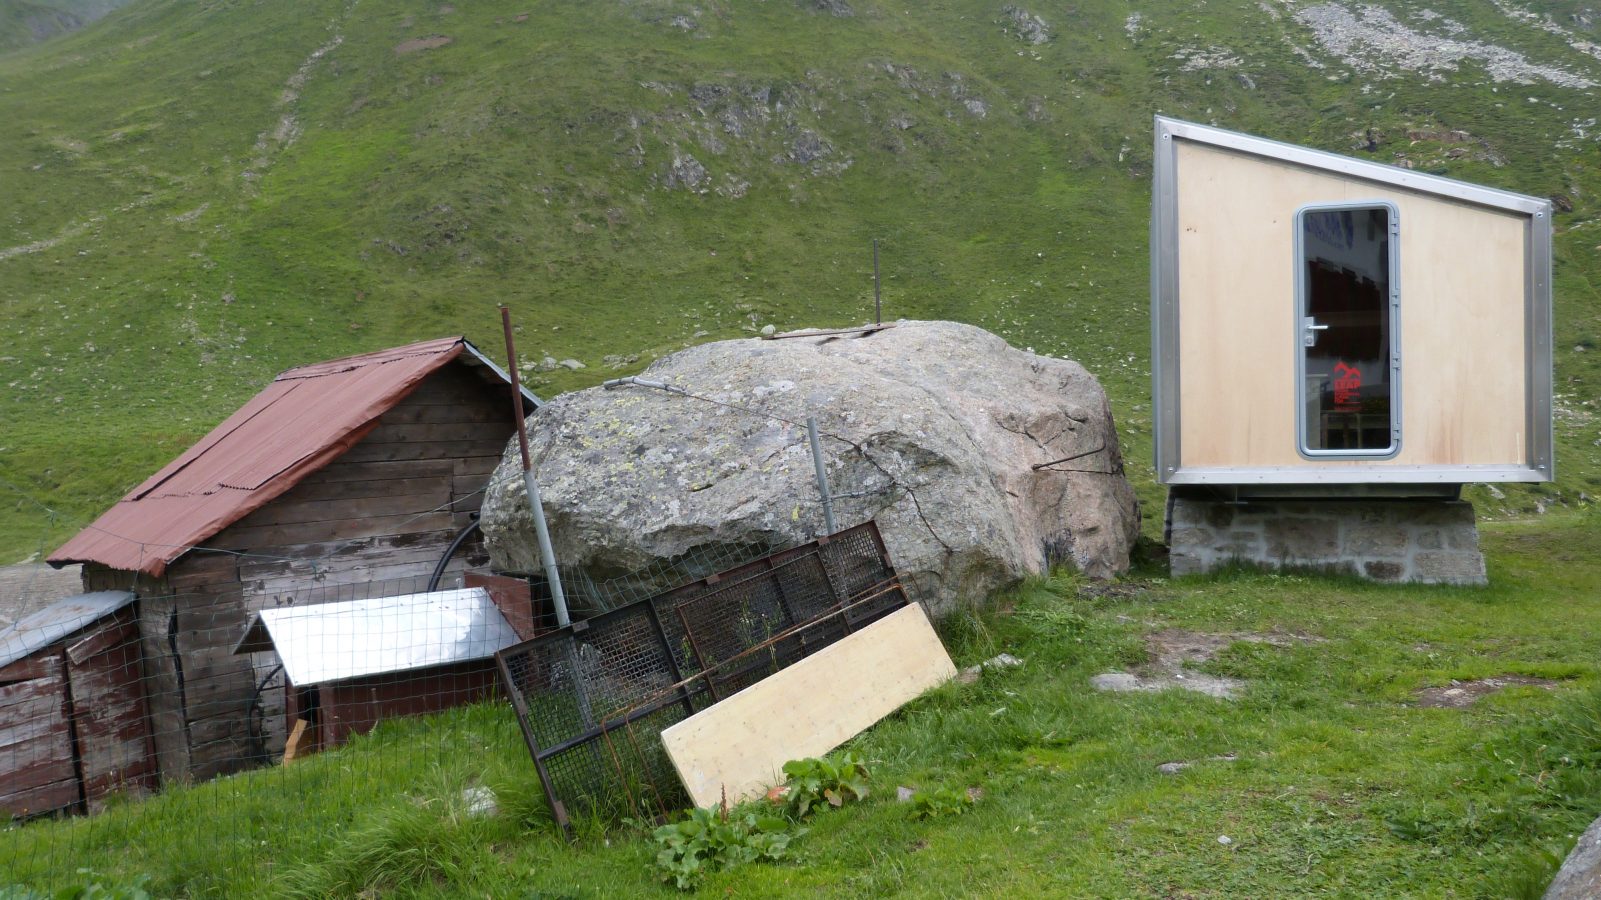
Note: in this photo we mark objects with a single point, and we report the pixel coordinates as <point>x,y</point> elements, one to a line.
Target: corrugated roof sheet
<point>56,621</point>
<point>304,420</point>
<point>353,638</point>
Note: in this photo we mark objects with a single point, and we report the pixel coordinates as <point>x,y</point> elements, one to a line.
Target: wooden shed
<point>1324,325</point>
<point>340,480</point>
<point>74,726</point>
<point>349,665</point>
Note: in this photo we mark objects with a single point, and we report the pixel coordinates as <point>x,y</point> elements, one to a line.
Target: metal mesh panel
<point>593,698</point>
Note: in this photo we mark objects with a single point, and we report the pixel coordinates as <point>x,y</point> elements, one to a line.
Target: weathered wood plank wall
<point>372,523</point>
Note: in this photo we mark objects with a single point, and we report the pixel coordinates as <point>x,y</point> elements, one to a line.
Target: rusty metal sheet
<point>350,639</point>
<point>305,419</point>
<point>56,621</point>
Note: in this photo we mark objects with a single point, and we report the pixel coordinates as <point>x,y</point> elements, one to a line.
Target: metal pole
<point>822,479</point>
<point>878,304</point>
<point>547,554</point>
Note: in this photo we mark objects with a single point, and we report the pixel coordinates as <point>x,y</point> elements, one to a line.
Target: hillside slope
<point>198,196</point>
<point>27,22</point>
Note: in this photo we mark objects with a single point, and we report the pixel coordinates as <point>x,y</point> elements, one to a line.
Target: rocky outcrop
<point>981,463</point>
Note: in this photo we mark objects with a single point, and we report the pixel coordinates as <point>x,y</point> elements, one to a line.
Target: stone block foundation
<point>1427,541</point>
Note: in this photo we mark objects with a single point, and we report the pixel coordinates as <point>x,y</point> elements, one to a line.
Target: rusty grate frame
<point>593,698</point>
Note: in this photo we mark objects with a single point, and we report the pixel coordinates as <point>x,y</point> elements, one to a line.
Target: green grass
<point>1341,786</point>
<point>524,162</point>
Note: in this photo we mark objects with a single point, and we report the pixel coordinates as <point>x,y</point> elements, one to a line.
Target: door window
<point>1348,313</point>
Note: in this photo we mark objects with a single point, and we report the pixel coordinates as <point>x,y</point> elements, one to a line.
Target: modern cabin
<point>1330,326</point>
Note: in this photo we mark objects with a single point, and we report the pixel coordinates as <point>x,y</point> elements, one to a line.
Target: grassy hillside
<point>199,195</point>
<point>1329,776</point>
<point>26,22</point>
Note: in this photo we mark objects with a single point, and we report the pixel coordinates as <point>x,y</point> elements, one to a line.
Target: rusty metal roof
<point>305,419</point>
<point>56,621</point>
<point>337,641</point>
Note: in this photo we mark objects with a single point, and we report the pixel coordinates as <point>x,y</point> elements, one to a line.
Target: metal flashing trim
<point>56,621</point>
<point>1325,161</point>
<point>478,355</point>
<point>1537,314</point>
<point>1164,302</point>
<point>331,642</point>
<point>1376,473</point>
<point>1393,302</point>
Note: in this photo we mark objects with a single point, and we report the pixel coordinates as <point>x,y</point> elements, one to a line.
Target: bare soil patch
<point>1463,694</point>
<point>1175,651</point>
<point>423,43</point>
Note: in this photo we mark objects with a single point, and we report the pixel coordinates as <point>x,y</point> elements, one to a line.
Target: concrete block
<point>1384,570</point>
<point>1303,540</point>
<point>1376,539</point>
<point>1446,567</point>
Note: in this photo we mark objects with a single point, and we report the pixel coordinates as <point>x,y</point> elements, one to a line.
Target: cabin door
<point>1347,325</point>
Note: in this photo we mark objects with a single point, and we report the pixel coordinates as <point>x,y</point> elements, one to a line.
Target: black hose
<point>461,538</point>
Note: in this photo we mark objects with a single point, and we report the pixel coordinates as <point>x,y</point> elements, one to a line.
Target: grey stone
<point>571,364</point>
<point>1376,540</point>
<point>768,330</point>
<point>1580,875</point>
<point>1428,539</point>
<point>1027,26</point>
<point>1383,570</point>
<point>930,428</point>
<point>1302,540</point>
<point>1448,568</point>
<point>1117,682</point>
<point>480,802</point>
<point>1172,768</point>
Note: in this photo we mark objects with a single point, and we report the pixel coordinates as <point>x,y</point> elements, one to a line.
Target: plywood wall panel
<point>1462,318</point>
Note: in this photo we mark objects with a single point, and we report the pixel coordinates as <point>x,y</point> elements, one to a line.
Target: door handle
<point>1310,328</point>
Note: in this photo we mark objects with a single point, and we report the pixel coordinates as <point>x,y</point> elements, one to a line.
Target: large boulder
<point>934,429</point>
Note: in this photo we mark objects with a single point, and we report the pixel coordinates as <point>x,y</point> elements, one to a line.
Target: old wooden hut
<point>340,480</point>
<point>74,727</point>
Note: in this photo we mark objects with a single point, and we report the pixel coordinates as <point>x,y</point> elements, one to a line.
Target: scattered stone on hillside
<point>687,172</point>
<point>933,429</point>
<point>733,187</point>
<point>1173,768</point>
<point>1173,651</point>
<point>769,330</point>
<point>1370,39</point>
<point>1197,59</point>
<point>976,106</point>
<point>809,147</point>
<point>1580,875</point>
<point>619,361</point>
<point>971,674</point>
<point>836,8</point>
<point>684,23</point>
<point>1026,26</point>
<point>1133,25</point>
<point>572,365</point>
<point>1463,694</point>
<point>432,42</point>
<point>481,802</point>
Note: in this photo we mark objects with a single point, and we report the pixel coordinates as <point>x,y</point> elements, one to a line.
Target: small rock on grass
<point>480,802</point>
<point>1003,661</point>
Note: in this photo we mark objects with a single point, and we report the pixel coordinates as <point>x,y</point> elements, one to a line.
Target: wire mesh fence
<point>594,697</point>
<point>133,698</point>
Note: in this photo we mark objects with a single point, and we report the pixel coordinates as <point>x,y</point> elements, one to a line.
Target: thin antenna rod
<point>878,303</point>
<point>547,554</point>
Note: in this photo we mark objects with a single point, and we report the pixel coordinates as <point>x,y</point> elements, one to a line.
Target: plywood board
<point>1463,357</point>
<point>806,709</point>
